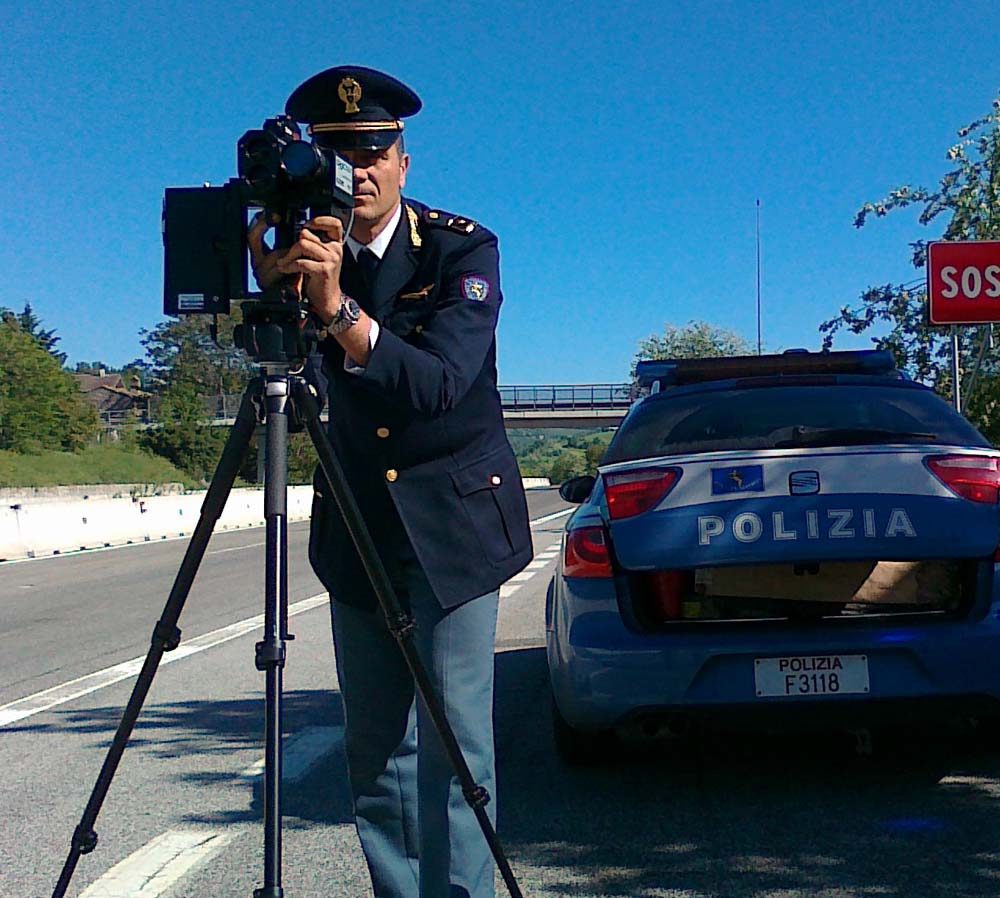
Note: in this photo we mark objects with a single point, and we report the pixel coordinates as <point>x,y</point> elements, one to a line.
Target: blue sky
<point>617,149</point>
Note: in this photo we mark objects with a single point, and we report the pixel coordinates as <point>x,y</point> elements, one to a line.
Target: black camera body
<point>205,228</point>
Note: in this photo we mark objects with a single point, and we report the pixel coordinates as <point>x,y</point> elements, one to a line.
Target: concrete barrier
<point>33,529</point>
<point>36,526</point>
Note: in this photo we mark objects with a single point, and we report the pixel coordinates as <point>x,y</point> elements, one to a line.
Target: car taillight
<point>632,492</point>
<point>587,553</point>
<point>975,477</point>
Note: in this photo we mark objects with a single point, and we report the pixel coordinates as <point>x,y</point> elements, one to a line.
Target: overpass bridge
<point>584,406</point>
<point>565,405</point>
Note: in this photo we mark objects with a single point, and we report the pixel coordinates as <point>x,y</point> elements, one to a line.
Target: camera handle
<point>273,397</point>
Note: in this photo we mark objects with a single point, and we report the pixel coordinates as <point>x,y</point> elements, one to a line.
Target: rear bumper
<point>605,675</point>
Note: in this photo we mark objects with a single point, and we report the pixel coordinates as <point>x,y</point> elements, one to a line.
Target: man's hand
<point>263,260</point>
<point>309,256</point>
<point>320,262</point>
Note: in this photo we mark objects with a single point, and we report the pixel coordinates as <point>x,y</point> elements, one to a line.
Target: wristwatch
<point>347,316</point>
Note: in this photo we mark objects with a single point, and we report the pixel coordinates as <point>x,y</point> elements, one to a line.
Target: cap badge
<point>350,92</point>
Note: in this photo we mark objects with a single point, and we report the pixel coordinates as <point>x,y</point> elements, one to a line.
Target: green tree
<point>31,324</point>
<point>183,348</point>
<point>570,463</point>
<point>593,454</point>
<point>191,373</point>
<point>695,340</point>
<point>40,405</point>
<point>183,435</point>
<point>969,196</point>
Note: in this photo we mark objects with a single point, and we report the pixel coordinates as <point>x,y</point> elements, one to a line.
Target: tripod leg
<point>270,656</point>
<point>399,621</point>
<point>166,635</point>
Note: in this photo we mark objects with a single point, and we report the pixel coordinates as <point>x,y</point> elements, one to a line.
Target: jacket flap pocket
<point>485,474</point>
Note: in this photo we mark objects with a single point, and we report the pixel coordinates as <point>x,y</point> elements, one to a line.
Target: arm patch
<point>475,288</point>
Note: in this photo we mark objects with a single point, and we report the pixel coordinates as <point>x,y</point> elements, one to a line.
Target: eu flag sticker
<point>738,479</point>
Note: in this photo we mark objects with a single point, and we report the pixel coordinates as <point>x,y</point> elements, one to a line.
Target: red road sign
<point>963,281</point>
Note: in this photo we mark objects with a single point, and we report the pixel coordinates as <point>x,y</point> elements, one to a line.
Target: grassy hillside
<point>95,464</point>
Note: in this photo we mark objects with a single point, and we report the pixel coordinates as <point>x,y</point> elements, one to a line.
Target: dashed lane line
<point>65,692</point>
<point>155,867</point>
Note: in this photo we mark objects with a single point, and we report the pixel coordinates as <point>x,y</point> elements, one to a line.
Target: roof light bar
<point>676,372</point>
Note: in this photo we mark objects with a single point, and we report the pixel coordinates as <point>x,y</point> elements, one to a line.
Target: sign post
<point>963,287</point>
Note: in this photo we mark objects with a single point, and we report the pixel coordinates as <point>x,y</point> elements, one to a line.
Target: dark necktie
<point>368,263</point>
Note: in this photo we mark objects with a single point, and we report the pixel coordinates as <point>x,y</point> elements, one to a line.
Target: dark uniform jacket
<point>420,432</point>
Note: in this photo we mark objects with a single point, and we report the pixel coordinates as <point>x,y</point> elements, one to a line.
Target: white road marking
<point>553,516</point>
<point>236,548</point>
<point>301,752</point>
<point>540,562</point>
<point>65,692</point>
<point>155,867</point>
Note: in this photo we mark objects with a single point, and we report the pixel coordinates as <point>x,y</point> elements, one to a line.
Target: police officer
<point>408,305</point>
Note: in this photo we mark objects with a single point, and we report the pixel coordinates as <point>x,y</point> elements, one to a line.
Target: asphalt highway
<point>774,817</point>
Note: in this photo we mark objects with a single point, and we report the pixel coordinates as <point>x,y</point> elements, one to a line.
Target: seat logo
<point>803,483</point>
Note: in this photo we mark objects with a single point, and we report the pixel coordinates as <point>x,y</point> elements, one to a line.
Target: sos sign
<point>963,282</point>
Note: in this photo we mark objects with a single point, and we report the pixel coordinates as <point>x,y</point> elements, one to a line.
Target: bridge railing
<point>519,398</point>
<point>565,397</point>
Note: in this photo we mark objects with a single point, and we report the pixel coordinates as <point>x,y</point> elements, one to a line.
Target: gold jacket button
<point>382,433</point>
<point>419,329</point>
<point>391,475</point>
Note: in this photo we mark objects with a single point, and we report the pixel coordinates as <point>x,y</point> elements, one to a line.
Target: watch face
<point>346,317</point>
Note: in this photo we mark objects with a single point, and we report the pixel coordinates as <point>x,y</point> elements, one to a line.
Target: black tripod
<point>273,336</point>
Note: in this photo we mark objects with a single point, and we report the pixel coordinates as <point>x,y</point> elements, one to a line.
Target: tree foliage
<point>40,405</point>
<point>969,195</point>
<point>31,324</point>
<point>183,436</point>
<point>184,349</point>
<point>695,340</point>
<point>191,372</point>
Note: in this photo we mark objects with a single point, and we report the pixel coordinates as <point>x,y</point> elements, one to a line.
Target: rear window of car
<point>788,416</point>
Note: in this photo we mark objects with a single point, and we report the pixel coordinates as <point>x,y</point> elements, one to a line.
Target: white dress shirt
<point>378,246</point>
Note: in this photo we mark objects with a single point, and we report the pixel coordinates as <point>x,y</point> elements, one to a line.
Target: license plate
<point>806,675</point>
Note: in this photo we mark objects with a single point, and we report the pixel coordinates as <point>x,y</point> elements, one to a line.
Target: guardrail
<point>565,397</point>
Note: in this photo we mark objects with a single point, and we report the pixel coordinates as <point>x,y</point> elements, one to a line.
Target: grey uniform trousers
<point>418,834</point>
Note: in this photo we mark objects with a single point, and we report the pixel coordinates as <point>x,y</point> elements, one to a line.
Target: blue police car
<point>807,536</point>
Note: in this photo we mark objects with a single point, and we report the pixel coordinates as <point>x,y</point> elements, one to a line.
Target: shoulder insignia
<point>416,241</point>
<point>452,222</point>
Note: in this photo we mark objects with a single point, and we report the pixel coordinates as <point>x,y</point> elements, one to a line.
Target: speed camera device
<point>205,228</point>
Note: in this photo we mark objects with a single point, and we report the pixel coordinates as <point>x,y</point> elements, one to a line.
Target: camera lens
<point>301,159</point>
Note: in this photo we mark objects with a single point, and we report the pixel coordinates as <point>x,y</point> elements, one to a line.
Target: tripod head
<point>275,333</point>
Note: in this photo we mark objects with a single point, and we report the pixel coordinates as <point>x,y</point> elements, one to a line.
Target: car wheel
<point>580,748</point>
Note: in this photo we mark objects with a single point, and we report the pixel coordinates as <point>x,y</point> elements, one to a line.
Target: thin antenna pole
<point>758,277</point>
